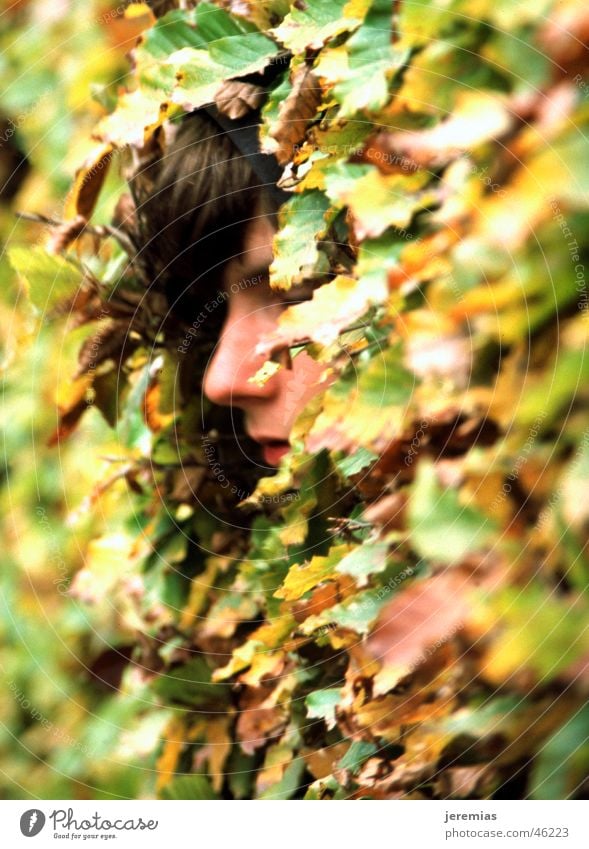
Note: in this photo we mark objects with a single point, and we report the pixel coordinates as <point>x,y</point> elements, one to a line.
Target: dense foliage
<point>401,611</point>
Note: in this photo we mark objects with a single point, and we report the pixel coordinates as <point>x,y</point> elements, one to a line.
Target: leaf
<point>563,760</point>
<point>441,527</point>
<point>421,23</point>
<point>235,98</point>
<point>418,620</point>
<point>190,684</point>
<point>49,278</point>
<point>171,751</point>
<point>357,613</point>
<point>377,201</point>
<point>301,579</point>
<point>138,115</point>
<point>316,22</point>
<point>322,704</point>
<point>534,633</point>
<point>295,113</point>
<point>214,23</point>
<point>258,724</point>
<point>476,119</point>
<point>371,60</point>
<point>288,784</point>
<point>199,73</point>
<point>357,754</point>
<point>194,787</point>
<point>303,220</point>
<point>171,32</point>
<point>88,182</point>
<point>367,559</point>
<point>355,462</point>
<point>333,307</point>
<point>365,408</point>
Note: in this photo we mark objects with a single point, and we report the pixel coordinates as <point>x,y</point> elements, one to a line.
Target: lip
<point>274,451</point>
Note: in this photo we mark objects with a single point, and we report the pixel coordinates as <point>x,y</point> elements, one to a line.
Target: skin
<point>252,312</point>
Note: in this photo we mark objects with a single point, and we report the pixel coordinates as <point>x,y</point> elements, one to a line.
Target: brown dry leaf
<point>321,598</point>
<point>186,483</point>
<point>321,762</point>
<point>72,402</point>
<point>388,512</point>
<point>384,717</point>
<point>111,341</point>
<point>88,183</point>
<point>257,725</point>
<point>295,112</point>
<point>426,614</point>
<point>467,782</point>
<point>235,98</point>
<point>66,233</point>
<point>124,25</point>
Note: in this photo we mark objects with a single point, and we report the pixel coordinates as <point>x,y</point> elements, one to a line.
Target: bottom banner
<point>256,825</point>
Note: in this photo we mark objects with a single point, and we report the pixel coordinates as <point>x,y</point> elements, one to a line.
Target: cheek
<point>306,371</point>
<point>301,383</point>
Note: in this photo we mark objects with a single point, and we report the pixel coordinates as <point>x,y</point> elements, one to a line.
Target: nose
<point>234,361</point>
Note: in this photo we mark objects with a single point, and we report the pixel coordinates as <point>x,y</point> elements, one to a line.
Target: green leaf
<point>190,684</point>
<point>322,704</point>
<point>172,32</point>
<point>562,378</point>
<point>371,60</point>
<point>314,23</point>
<point>189,787</point>
<point>356,613</point>
<point>243,54</point>
<point>199,73</point>
<point>353,463</point>
<point>535,630</point>
<point>49,278</point>
<point>420,23</point>
<point>442,529</point>
<point>378,201</point>
<point>214,23</point>
<point>366,407</point>
<point>288,784</point>
<point>303,220</point>
<point>563,760</point>
<point>365,560</point>
<point>357,754</point>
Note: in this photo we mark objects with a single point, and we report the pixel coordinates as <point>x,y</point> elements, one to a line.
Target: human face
<point>253,310</point>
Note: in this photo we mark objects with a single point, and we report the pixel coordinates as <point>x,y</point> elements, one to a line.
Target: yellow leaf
<point>175,738</point>
<point>199,591</point>
<point>301,579</point>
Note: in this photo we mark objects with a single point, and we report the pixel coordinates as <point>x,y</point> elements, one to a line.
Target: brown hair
<point>192,219</point>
